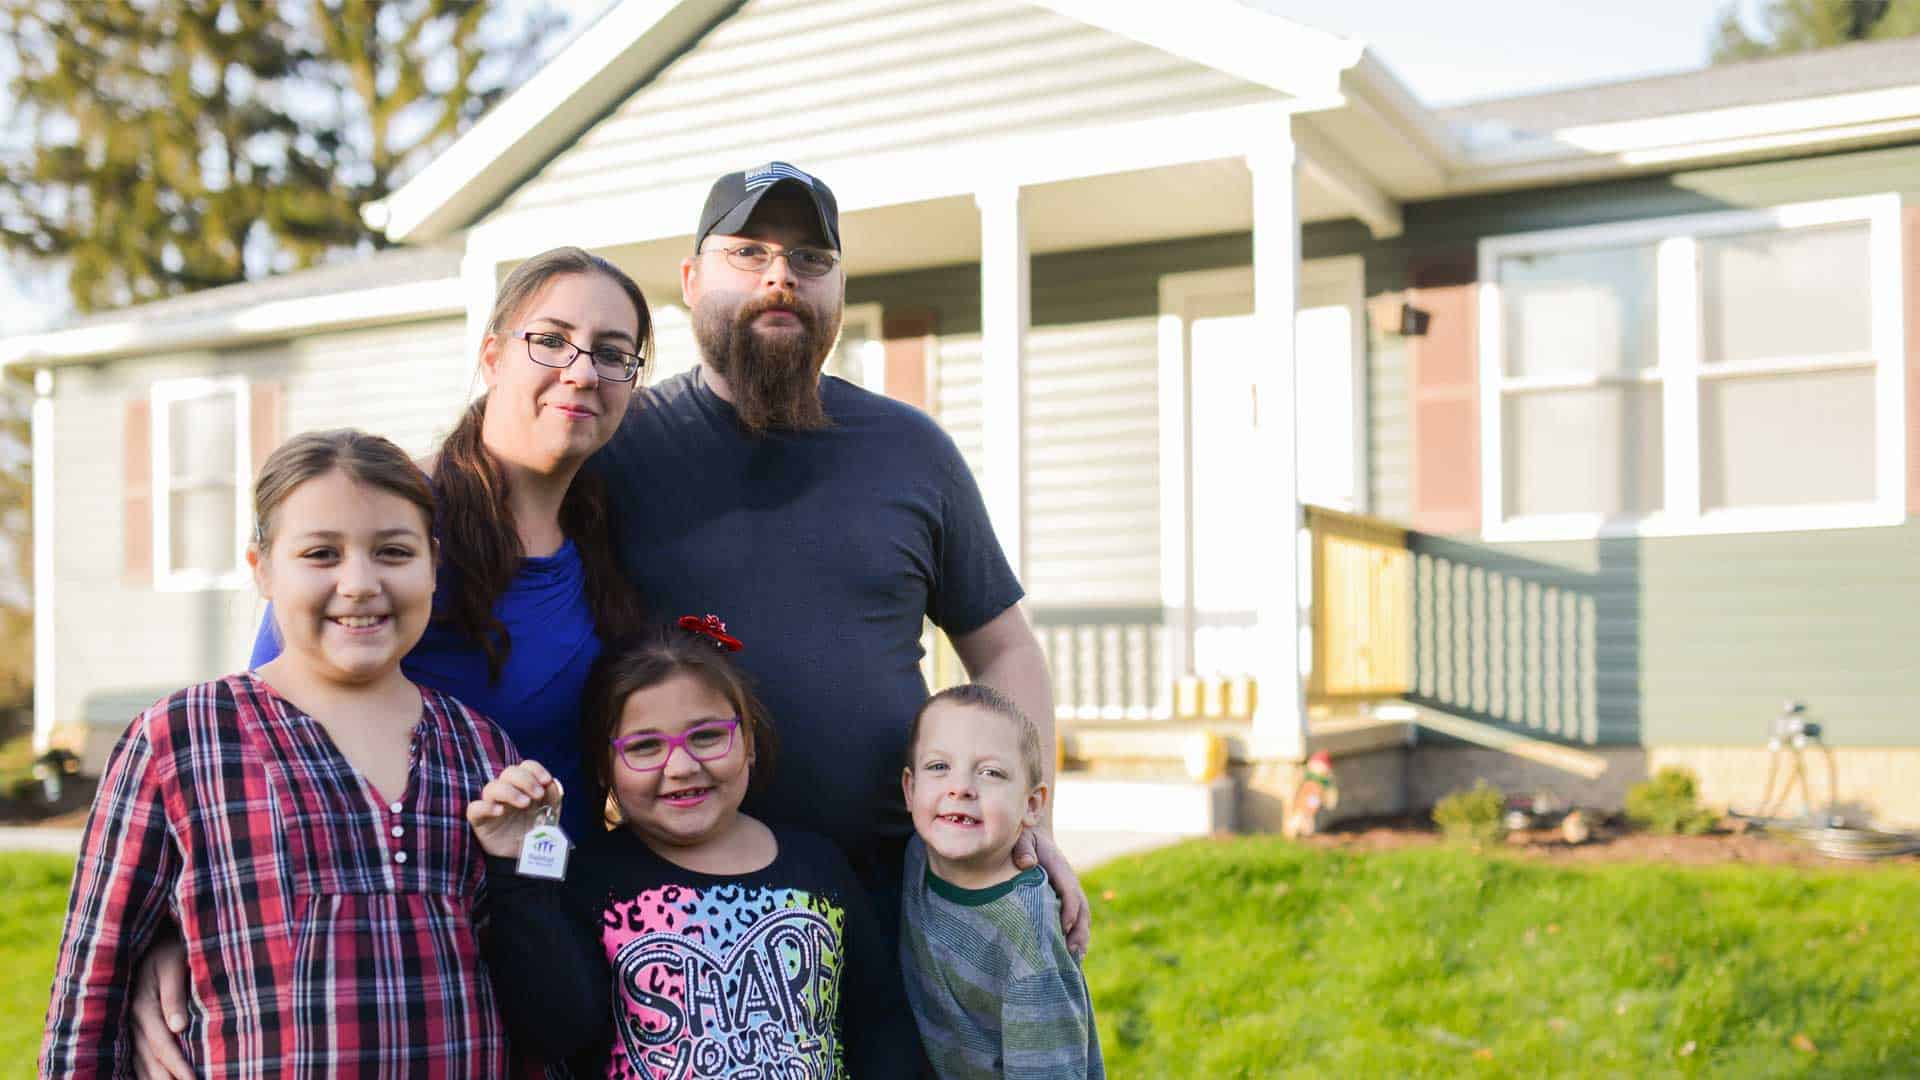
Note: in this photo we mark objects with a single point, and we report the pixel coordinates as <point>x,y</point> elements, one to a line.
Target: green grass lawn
<point>1253,957</point>
<point>33,899</point>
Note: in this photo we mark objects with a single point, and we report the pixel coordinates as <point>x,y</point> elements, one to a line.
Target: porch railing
<point>1108,663</point>
<point>1392,613</point>
<point>1519,644</point>
<point>1361,608</point>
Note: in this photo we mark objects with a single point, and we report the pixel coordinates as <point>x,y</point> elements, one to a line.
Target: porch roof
<point>629,45</point>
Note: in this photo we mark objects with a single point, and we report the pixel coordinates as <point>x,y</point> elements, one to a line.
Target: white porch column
<point>1280,719</point>
<point>479,279</point>
<point>45,705</point>
<point>1005,312</point>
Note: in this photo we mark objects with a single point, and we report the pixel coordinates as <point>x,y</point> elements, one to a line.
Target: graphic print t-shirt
<point>768,975</point>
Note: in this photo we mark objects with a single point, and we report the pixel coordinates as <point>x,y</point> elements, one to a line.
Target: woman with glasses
<point>691,940</point>
<point>528,584</point>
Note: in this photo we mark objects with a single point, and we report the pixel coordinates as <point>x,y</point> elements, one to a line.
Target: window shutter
<point>136,516</point>
<point>1445,367</point>
<point>1910,255</point>
<point>906,335</point>
<point>264,416</point>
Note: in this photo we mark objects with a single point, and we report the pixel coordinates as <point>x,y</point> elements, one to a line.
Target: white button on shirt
<point>399,856</point>
<point>399,831</point>
<point>395,808</point>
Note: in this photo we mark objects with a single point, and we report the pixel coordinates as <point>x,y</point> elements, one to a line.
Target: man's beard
<point>775,381</point>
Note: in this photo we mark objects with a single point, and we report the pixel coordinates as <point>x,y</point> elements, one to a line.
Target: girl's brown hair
<point>650,658</point>
<point>366,459</point>
<point>479,542</point>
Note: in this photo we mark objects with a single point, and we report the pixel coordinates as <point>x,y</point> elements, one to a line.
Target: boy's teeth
<point>357,621</point>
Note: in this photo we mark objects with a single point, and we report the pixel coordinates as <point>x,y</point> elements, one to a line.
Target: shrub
<point>1669,803</point>
<point>1473,817</point>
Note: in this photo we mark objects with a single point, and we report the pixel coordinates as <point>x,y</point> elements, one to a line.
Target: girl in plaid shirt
<point>300,823</point>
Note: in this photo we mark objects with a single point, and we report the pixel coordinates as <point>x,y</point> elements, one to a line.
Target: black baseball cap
<point>735,195</point>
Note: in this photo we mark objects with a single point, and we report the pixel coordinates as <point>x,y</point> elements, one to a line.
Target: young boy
<point>992,985</point>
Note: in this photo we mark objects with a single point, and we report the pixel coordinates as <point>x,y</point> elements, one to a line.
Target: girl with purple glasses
<point>692,939</point>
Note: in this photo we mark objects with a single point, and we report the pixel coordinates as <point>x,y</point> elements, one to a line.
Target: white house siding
<point>1389,427</point>
<point>120,645</point>
<point>1093,473</point>
<point>1093,464</point>
<point>815,81</point>
<point>408,383</point>
<point>956,399</point>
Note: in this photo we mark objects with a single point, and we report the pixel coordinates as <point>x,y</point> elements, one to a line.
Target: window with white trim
<point>860,356</point>
<point>1730,372</point>
<point>202,469</point>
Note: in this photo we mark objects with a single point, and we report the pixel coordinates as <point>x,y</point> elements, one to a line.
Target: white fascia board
<point>1264,49</point>
<point>274,319</point>
<point>1371,89</point>
<point>898,177</point>
<point>591,75</point>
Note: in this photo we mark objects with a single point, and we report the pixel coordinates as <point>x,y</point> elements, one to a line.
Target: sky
<point>1444,51</point>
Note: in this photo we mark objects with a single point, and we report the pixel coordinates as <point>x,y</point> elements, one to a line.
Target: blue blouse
<point>537,699</point>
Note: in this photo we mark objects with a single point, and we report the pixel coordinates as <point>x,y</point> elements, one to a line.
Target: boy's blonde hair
<point>981,696</point>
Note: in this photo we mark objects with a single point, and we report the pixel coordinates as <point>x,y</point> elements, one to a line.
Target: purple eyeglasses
<point>648,751</point>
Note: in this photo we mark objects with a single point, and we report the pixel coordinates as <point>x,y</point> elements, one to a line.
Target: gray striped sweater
<point>992,985</point>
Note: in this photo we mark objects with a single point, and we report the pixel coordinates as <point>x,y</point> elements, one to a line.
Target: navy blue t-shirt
<point>537,700</point>
<point>823,551</point>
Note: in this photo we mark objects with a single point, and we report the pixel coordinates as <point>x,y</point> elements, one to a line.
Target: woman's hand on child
<point>509,805</point>
<point>159,1012</point>
<point>1076,915</point>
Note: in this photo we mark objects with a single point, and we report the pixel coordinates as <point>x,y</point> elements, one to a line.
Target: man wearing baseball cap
<point>826,524</point>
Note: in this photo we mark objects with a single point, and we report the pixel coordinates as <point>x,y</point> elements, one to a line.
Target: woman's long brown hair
<point>479,542</point>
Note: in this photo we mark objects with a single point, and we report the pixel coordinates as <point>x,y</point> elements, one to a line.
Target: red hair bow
<point>712,627</point>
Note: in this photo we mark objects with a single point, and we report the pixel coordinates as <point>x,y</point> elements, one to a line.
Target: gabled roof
<point>629,44</point>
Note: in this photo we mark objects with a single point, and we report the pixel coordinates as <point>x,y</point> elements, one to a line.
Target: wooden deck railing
<point>1112,662</point>
<point>1361,609</point>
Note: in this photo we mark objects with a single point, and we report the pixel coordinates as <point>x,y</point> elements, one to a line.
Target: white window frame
<point>865,321</point>
<point>1679,369</point>
<point>165,394</point>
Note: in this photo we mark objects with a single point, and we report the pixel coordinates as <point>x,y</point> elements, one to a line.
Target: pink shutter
<point>907,334</point>
<point>264,414</point>
<point>1445,367</point>
<point>136,493</point>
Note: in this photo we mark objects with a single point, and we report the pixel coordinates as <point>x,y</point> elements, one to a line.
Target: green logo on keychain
<point>543,851</point>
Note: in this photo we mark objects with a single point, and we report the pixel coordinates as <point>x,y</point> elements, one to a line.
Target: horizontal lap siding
<point>408,383</point>
<point>854,77</point>
<point>119,647</point>
<point>1093,492</point>
<point>1702,638</point>
<point>957,400</point>
<point>1093,464</point>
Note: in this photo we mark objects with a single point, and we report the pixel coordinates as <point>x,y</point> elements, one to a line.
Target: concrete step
<point>1170,807</point>
<point>1171,743</point>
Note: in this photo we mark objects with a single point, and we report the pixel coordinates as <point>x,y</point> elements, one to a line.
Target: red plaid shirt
<point>329,932</point>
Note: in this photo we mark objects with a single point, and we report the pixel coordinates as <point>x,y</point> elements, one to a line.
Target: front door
<point>1210,464</point>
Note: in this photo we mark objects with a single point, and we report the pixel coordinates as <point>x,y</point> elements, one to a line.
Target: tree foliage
<point>162,146</point>
<point>1791,26</point>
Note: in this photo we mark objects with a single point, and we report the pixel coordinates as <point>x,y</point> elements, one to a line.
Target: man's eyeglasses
<point>805,261</point>
<point>548,349</point>
<point>647,751</point>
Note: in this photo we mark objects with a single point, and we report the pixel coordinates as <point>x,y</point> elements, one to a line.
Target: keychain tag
<point>543,852</point>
